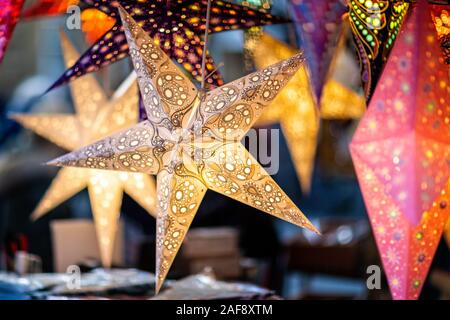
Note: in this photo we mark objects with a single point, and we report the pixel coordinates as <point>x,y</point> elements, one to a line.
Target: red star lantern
<point>401,152</point>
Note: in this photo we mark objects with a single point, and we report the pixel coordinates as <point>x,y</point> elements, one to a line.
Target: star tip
<point>35,215</point>
<point>312,228</point>
<point>52,163</point>
<point>13,116</point>
<point>123,13</point>
<point>158,286</point>
<point>53,86</point>
<point>306,190</point>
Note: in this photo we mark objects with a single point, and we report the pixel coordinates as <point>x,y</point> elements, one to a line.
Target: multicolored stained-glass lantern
<point>9,15</point>
<point>176,25</point>
<point>401,152</point>
<point>441,19</point>
<point>375,25</point>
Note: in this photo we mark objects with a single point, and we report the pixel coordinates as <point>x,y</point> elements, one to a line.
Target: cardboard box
<point>75,240</point>
<point>211,242</point>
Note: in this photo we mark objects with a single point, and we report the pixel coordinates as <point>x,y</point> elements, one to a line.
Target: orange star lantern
<point>95,24</point>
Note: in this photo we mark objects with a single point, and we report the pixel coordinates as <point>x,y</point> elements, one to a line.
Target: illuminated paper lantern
<point>401,152</point>
<point>95,118</point>
<point>318,24</point>
<point>337,101</point>
<point>175,25</point>
<point>9,15</point>
<point>252,35</point>
<point>191,141</point>
<point>296,110</point>
<point>441,19</point>
<point>49,8</point>
<point>95,24</point>
<point>340,103</point>
<point>375,25</point>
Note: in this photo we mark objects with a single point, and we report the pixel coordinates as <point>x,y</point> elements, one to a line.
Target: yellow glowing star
<point>95,118</point>
<point>191,141</point>
<point>337,101</point>
<point>295,108</point>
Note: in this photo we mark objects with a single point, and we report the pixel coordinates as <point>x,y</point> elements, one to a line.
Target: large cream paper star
<point>191,141</point>
<point>95,118</point>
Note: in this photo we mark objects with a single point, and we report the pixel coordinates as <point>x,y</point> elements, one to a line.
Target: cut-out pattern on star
<point>319,25</point>
<point>95,117</point>
<point>176,25</point>
<point>191,141</point>
<point>375,25</point>
<point>401,152</point>
<point>9,15</point>
<point>295,108</point>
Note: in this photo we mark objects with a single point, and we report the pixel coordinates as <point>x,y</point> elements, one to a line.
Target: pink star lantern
<point>401,152</point>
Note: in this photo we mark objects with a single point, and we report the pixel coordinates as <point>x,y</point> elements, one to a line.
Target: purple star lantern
<point>176,25</point>
<point>318,24</point>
